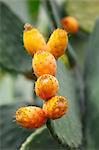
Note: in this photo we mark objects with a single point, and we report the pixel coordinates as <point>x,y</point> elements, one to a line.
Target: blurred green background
<point>16,81</point>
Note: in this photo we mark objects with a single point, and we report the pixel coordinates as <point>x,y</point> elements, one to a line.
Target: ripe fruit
<point>44,63</point>
<point>46,86</point>
<point>57,43</point>
<point>30,117</point>
<point>33,40</point>
<point>56,107</point>
<point>70,24</point>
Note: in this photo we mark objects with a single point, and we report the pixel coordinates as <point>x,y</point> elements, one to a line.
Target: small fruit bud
<point>70,24</point>
<point>44,63</point>
<point>46,86</point>
<point>30,117</point>
<point>57,43</point>
<point>33,40</point>
<point>55,107</point>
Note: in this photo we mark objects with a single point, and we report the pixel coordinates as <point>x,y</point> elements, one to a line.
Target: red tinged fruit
<point>30,117</point>
<point>70,24</point>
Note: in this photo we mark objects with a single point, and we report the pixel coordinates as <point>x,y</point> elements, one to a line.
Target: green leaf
<point>11,135</point>
<point>86,12</point>
<point>34,6</point>
<point>78,43</point>
<point>12,54</point>
<point>6,86</point>
<point>92,90</point>
<point>40,140</point>
<point>68,129</point>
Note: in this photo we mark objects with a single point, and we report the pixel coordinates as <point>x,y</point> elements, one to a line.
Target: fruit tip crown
<point>27,27</point>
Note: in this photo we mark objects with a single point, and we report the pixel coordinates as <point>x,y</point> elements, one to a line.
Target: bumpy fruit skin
<point>70,24</point>
<point>46,86</point>
<point>30,117</point>
<point>57,43</point>
<point>55,107</point>
<point>33,40</point>
<point>44,63</point>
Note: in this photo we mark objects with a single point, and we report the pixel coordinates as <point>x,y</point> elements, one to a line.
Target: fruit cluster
<point>45,68</point>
